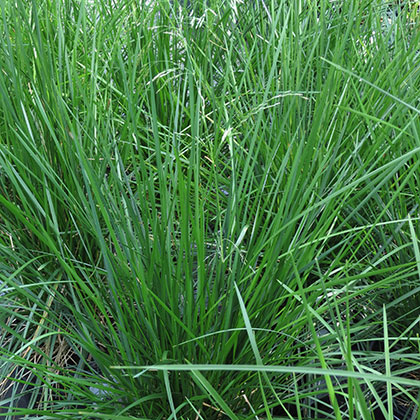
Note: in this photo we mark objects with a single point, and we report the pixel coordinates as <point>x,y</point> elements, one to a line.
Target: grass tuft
<point>209,209</point>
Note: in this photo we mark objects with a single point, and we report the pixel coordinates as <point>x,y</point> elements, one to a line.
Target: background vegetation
<point>209,210</point>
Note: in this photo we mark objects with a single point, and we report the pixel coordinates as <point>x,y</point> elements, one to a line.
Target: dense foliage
<point>210,210</point>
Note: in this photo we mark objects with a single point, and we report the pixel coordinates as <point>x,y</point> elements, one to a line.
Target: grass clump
<point>209,210</point>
